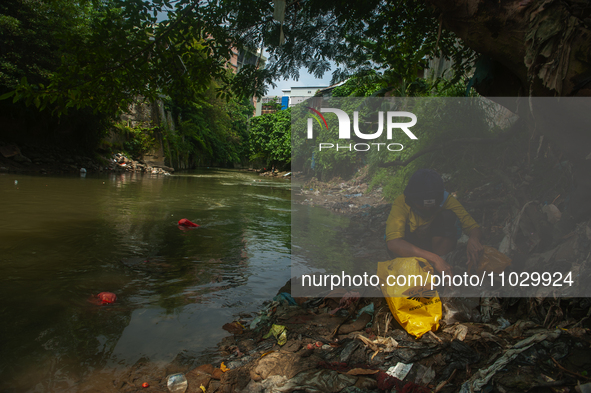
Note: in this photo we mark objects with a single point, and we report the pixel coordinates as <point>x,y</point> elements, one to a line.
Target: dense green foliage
<point>33,36</point>
<point>138,140</point>
<point>33,33</point>
<point>115,51</point>
<point>209,131</point>
<point>270,138</point>
<point>73,59</point>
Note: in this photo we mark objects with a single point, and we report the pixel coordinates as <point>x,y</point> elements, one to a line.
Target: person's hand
<point>474,250</point>
<point>439,264</point>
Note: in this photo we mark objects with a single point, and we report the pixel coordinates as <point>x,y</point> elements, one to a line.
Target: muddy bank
<point>303,345</point>
<point>55,160</point>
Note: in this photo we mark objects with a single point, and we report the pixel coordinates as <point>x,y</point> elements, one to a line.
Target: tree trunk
<point>539,47</point>
<point>536,48</point>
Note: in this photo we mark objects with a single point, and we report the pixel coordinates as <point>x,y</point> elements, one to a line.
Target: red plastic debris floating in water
<point>107,297</point>
<point>183,222</point>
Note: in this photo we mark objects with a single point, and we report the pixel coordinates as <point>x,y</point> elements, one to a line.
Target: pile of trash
<point>121,163</point>
<point>343,343</point>
<point>48,160</point>
<point>275,173</point>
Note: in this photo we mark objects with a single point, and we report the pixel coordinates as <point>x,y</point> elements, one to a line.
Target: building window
<point>309,91</point>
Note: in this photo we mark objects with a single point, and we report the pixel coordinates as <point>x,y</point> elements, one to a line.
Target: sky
<point>306,79</point>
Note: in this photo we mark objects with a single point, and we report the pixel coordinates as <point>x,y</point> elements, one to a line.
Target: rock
<point>195,380</point>
<point>22,159</point>
<point>279,363</point>
<point>9,151</point>
<point>235,380</point>
<point>205,368</point>
<point>214,385</point>
<point>217,374</point>
<point>246,345</point>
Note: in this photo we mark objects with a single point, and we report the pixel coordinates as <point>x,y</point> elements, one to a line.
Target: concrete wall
<point>146,114</point>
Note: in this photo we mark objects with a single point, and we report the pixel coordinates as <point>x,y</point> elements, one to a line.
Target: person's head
<point>424,191</point>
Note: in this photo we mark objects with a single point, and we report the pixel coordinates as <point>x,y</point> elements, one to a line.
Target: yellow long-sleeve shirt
<point>402,214</point>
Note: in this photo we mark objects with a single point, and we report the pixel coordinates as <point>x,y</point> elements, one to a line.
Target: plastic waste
<point>257,320</point>
<point>183,222</point>
<point>481,377</point>
<point>369,309</point>
<point>461,309</point>
<point>279,332</point>
<point>285,297</point>
<point>503,323</point>
<point>493,261</point>
<point>424,375</point>
<point>552,213</point>
<point>177,383</point>
<point>417,309</point>
<point>106,297</point>
<point>399,371</point>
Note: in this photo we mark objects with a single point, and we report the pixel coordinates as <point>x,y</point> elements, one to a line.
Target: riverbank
<point>55,160</point>
<point>342,342</point>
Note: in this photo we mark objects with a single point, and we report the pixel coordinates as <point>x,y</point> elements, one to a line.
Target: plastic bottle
<point>177,383</point>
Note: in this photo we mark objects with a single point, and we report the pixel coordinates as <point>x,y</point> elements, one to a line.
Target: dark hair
<point>425,188</point>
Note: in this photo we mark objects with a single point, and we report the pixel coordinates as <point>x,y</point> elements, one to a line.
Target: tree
<point>270,138</point>
<point>519,48</point>
<point>126,53</point>
<point>33,36</point>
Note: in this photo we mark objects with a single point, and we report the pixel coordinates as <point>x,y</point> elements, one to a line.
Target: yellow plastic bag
<point>416,307</point>
<point>493,260</point>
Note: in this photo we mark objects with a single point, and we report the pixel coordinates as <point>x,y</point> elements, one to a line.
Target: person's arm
<point>474,248</point>
<point>405,249</point>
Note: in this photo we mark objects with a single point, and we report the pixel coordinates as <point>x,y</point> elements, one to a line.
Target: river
<point>63,239</point>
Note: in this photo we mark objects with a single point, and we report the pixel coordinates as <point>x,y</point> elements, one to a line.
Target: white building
<point>299,94</point>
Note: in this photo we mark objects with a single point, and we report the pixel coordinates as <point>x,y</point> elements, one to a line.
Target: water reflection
<point>65,238</point>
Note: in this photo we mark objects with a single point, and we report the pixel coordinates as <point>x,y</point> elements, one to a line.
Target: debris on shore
<point>47,160</point>
<point>316,345</point>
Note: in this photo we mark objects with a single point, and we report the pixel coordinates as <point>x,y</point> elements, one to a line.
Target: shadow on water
<point>66,238</point>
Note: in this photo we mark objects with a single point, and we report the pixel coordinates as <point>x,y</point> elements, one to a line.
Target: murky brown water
<point>65,238</point>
